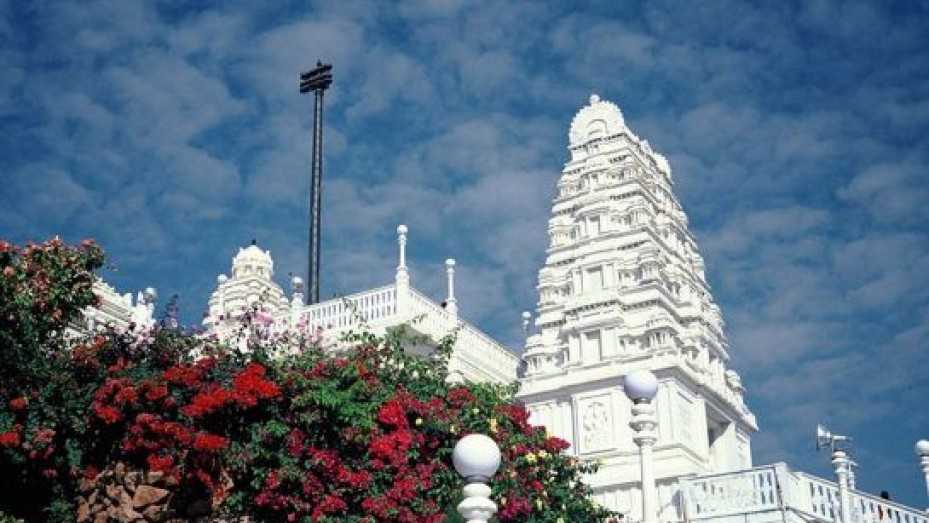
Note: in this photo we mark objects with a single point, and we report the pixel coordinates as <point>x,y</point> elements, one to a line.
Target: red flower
<point>19,404</point>
<point>207,402</point>
<point>108,414</point>
<point>125,395</point>
<point>358,480</point>
<point>295,443</point>
<point>330,504</point>
<point>43,437</point>
<point>514,507</point>
<point>392,414</point>
<point>210,442</point>
<point>10,439</point>
<point>250,385</point>
<point>160,463</point>
<point>155,392</point>
<point>555,445</point>
<point>392,447</point>
<point>183,375</point>
<point>460,396</point>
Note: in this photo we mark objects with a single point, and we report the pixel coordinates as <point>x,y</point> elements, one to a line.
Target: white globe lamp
<point>476,457</point>
<point>640,385</point>
<point>922,448</point>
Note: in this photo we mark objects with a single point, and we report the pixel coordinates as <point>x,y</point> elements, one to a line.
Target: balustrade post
<point>402,279</point>
<point>922,450</point>
<point>476,457</point>
<point>451,304</point>
<point>841,463</point>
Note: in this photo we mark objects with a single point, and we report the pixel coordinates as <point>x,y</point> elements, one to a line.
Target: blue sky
<point>797,133</point>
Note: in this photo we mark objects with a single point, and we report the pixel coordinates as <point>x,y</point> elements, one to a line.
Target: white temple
<point>622,289</point>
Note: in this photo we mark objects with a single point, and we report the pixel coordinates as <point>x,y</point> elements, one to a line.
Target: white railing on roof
<point>382,307</point>
<point>866,508</point>
<point>351,311</point>
<point>777,488</point>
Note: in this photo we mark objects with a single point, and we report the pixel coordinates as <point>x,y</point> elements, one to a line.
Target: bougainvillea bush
<point>281,431</point>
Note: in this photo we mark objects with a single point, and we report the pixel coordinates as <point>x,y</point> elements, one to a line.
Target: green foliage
<point>282,432</point>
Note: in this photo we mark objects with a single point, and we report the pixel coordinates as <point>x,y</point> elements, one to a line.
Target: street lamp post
<point>317,81</point>
<point>641,386</point>
<point>476,457</point>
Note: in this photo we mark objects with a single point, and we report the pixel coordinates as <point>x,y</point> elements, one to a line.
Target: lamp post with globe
<point>476,457</point>
<point>641,386</point>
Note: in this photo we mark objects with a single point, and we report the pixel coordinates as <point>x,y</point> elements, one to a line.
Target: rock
<point>154,477</point>
<point>153,514</point>
<point>132,480</point>
<point>146,495</point>
<point>125,503</point>
<point>125,514</point>
<point>113,492</point>
<point>83,512</point>
<point>86,485</point>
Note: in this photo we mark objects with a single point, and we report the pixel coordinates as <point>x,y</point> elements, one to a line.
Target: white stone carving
<point>596,425</point>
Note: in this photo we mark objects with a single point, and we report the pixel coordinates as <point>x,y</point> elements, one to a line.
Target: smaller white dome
<point>252,261</point>
<point>476,457</point>
<point>640,385</point>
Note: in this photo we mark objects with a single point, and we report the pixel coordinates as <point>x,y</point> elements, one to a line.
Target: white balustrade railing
<point>865,508</point>
<point>775,487</point>
<point>727,494</point>
<point>382,306</point>
<point>351,311</point>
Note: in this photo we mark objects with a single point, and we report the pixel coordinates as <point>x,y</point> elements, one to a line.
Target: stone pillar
<point>451,304</point>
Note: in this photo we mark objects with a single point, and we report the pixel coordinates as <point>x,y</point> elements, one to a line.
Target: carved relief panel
<point>595,424</point>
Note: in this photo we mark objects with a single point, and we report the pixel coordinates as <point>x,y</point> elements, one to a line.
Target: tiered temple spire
<point>623,288</point>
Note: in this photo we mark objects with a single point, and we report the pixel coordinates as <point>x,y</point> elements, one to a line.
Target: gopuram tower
<point>623,288</point>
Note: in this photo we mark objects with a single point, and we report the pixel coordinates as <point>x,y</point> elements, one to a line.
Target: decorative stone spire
<point>451,304</point>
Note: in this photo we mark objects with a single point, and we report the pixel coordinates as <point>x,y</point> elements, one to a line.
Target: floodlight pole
<point>317,81</point>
